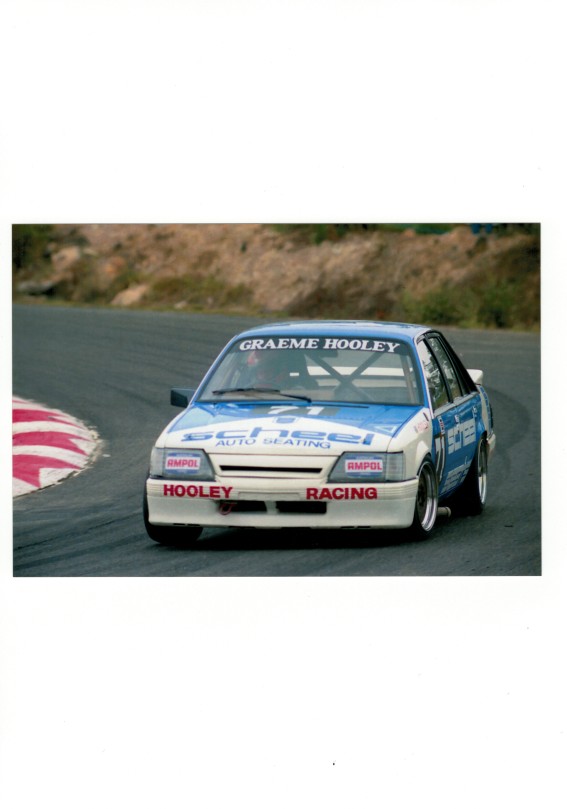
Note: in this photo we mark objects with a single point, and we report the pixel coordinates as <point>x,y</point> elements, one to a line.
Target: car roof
<point>352,328</point>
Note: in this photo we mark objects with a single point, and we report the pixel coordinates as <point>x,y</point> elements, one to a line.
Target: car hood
<point>286,428</point>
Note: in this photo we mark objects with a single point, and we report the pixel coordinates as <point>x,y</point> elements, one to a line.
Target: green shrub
<point>496,303</point>
<point>447,305</point>
<point>29,243</point>
<point>492,302</point>
<point>321,232</point>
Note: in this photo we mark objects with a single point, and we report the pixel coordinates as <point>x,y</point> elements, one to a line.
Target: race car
<point>323,424</point>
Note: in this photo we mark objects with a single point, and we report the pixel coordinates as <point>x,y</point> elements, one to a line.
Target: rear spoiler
<point>476,375</point>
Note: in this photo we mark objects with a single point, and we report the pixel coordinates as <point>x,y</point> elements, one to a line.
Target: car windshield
<point>355,370</point>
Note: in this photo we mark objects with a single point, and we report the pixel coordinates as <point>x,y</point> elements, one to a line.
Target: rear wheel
<point>182,536</point>
<point>426,499</point>
<point>473,492</point>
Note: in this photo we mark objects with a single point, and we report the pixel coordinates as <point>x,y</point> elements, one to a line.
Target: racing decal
<point>279,343</point>
<point>311,410</point>
<point>242,436</point>
<point>325,414</point>
<point>205,492</point>
<point>455,477</point>
<point>180,461</point>
<point>440,449</point>
<point>340,493</point>
<point>324,343</point>
<point>206,420</point>
<point>364,466</point>
<point>469,432</point>
<point>242,409</point>
<point>461,435</point>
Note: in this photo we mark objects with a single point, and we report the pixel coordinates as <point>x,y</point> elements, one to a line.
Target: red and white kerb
<point>47,446</point>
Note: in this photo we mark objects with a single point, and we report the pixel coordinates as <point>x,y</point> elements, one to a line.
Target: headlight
<point>368,467</point>
<point>181,464</point>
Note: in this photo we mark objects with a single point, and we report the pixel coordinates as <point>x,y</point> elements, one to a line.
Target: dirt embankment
<point>453,277</point>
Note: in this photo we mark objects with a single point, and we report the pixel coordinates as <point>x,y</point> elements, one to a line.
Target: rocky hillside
<point>453,277</point>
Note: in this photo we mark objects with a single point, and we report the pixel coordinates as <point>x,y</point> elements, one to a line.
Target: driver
<point>277,369</point>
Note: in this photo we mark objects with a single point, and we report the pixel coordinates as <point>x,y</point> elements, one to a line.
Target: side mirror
<point>476,375</point>
<point>180,397</point>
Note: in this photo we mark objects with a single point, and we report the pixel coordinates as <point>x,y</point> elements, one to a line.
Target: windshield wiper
<point>222,391</point>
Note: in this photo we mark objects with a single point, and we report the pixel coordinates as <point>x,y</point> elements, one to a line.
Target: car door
<point>454,417</point>
<point>461,444</point>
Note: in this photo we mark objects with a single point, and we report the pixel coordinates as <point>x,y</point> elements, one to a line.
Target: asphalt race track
<point>113,369</point>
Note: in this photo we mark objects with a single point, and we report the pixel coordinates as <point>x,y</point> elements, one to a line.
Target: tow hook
<point>226,507</point>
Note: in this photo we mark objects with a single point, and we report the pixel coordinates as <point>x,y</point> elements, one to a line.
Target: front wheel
<point>180,536</point>
<point>426,501</point>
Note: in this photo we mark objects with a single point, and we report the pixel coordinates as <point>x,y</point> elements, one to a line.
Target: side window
<point>447,366</point>
<point>433,375</point>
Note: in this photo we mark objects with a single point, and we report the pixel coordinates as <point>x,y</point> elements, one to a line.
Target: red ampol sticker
<point>182,462</point>
<point>364,466</point>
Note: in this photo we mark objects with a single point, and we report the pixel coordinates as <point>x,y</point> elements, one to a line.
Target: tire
<point>179,536</point>
<point>426,502</point>
<point>472,496</point>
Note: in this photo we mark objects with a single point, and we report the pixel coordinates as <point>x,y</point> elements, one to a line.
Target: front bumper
<point>244,503</point>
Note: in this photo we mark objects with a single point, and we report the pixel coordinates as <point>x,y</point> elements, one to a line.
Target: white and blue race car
<point>323,424</point>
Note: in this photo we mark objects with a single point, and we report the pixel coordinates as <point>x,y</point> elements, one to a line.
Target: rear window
<point>333,369</point>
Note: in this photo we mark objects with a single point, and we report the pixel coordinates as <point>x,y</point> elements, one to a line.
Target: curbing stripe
<point>47,446</point>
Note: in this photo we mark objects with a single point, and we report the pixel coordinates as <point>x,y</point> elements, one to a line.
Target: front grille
<point>271,465</point>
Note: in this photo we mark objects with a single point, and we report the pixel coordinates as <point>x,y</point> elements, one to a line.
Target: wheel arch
<point>421,452</point>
